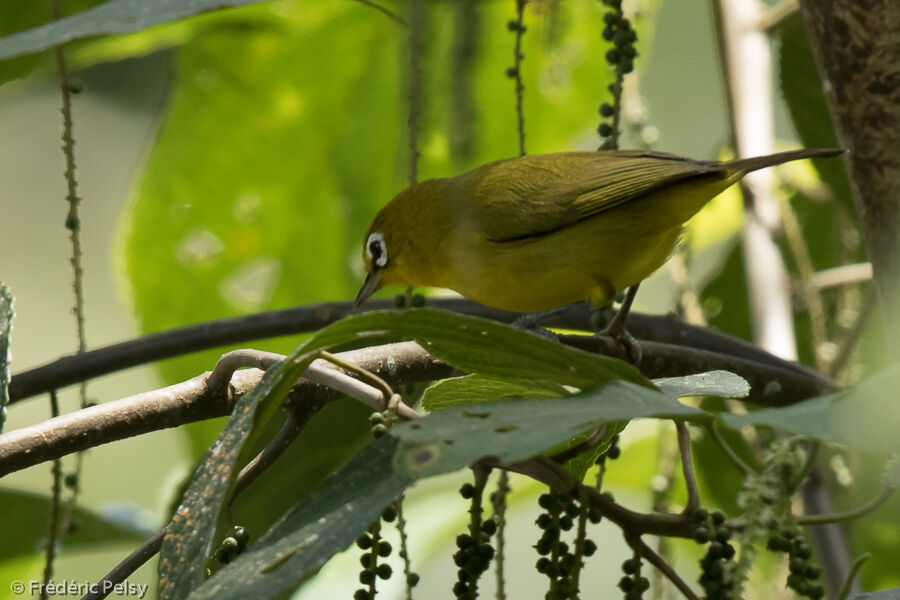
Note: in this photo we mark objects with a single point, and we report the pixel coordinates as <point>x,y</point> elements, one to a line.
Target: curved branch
<point>192,400</point>
<point>211,334</point>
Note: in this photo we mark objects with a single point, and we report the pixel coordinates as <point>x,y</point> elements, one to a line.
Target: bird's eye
<point>376,250</point>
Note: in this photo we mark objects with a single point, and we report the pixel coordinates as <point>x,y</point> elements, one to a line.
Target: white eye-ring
<point>376,250</point>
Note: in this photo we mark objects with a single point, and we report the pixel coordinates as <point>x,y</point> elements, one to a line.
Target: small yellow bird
<point>538,232</point>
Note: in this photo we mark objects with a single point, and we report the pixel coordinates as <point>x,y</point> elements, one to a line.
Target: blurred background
<point>230,163</point>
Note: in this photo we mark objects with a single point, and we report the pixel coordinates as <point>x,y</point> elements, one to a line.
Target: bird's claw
<point>620,335</point>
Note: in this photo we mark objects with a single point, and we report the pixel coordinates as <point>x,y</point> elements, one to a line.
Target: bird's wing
<point>532,196</point>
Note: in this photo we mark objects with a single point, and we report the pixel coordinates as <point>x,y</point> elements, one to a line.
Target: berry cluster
<point>381,422</point>
<point>475,551</point>
<point>374,548</point>
<point>804,577</point>
<point>232,545</point>
<point>633,583</point>
<point>716,577</point>
<point>557,562</point>
<point>619,31</point>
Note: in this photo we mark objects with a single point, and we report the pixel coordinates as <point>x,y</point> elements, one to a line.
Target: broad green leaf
<point>472,389</point>
<point>514,430</point>
<point>25,526</point>
<point>344,505</point>
<point>723,384</point>
<point>482,346</point>
<point>864,416</point>
<point>465,342</point>
<point>191,531</point>
<point>325,523</point>
<point>111,17</point>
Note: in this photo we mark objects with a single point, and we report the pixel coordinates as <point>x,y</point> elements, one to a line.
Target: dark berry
<point>385,571</point>
<point>241,535</point>
<point>626,584</point>
<point>467,490</point>
<point>701,535</point>
<point>384,548</point>
<point>631,566</point>
<point>589,548</point>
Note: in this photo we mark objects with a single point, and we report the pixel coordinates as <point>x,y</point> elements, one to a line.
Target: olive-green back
<point>530,196</point>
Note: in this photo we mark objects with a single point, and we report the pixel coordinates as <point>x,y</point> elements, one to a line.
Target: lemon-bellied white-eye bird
<point>538,232</point>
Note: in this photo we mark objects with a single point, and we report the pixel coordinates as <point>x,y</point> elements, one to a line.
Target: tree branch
<point>211,334</point>
<point>193,400</point>
<point>858,58</point>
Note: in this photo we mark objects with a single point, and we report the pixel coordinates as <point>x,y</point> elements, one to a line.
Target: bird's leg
<point>532,321</point>
<point>616,328</point>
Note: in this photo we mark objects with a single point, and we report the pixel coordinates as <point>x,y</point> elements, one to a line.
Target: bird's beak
<point>371,285</point>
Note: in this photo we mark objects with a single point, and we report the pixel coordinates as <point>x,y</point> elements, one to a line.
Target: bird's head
<point>403,244</point>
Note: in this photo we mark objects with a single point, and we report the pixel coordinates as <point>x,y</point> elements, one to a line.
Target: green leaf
<point>514,430</point>
<point>192,529</point>
<point>864,416</point>
<point>344,505</point>
<point>481,346</point>
<point>472,389</point>
<point>325,523</point>
<point>25,526</point>
<point>114,16</point>
<point>723,384</point>
<point>466,342</point>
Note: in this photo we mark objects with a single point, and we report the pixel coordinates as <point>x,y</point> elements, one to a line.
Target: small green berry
<point>701,535</point>
<point>241,535</point>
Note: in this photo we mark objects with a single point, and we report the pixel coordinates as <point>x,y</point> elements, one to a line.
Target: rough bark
<point>856,44</point>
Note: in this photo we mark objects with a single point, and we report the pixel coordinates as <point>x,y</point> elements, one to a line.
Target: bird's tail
<point>745,165</point>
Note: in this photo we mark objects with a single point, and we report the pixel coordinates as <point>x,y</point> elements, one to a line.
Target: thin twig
<point>851,575</point>
<point>385,11</point>
<point>687,466</point>
<point>849,343</point>
<point>847,515</point>
<point>73,224</point>
<point>293,425</point>
<point>371,378</point>
<point>416,20</point>
<point>129,565</point>
<point>404,546</point>
<point>594,439</point>
<point>518,27</point>
<point>580,537</point>
<point>805,271</point>
<point>53,528</point>
<point>716,435</point>
<point>842,275</point>
<point>500,505</point>
<point>646,552</point>
<point>7,313</point>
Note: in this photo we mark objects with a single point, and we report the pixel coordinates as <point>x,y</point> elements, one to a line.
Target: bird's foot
<point>620,335</point>
<point>531,322</point>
